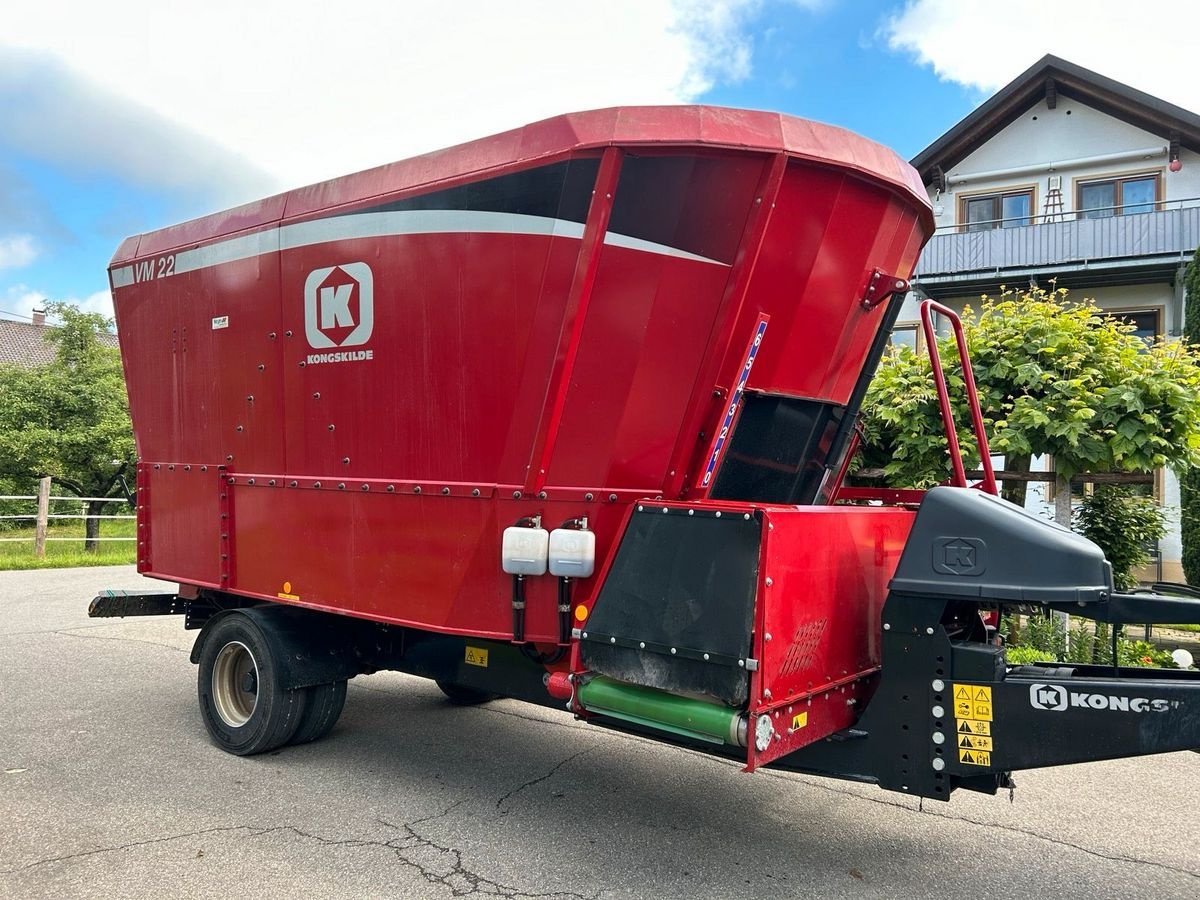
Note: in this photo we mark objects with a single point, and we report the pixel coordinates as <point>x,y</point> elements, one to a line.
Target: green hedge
<point>1189,482</point>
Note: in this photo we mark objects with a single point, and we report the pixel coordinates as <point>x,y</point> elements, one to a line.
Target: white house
<point>1067,175</point>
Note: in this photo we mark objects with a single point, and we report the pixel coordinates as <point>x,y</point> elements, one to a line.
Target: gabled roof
<point>25,344</point>
<point>1049,79</point>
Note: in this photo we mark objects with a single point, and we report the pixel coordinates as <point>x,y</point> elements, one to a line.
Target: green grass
<point>1187,626</point>
<point>63,554</point>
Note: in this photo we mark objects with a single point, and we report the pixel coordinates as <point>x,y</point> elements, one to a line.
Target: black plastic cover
<point>679,581</point>
<point>965,543</point>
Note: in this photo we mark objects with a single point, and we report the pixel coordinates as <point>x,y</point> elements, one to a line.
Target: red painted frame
<point>928,307</point>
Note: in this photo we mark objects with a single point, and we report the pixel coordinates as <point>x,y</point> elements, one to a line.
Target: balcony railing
<point>1081,239</point>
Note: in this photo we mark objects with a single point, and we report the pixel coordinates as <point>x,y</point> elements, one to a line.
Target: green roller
<point>685,716</point>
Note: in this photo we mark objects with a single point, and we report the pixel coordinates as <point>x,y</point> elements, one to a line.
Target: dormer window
<point>1006,209</point>
<point>1124,196</point>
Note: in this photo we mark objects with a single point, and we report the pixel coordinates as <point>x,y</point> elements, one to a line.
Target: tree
<point>70,419</point>
<point>1189,482</point>
<point>1054,377</point>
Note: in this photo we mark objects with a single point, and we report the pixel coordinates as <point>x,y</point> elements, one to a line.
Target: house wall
<point>1050,139</point>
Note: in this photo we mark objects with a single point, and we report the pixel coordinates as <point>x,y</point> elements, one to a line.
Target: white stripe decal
<point>623,240</point>
<point>358,226</point>
<point>247,246</point>
<point>422,221</point>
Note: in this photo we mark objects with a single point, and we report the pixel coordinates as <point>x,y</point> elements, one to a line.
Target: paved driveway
<point>109,787</point>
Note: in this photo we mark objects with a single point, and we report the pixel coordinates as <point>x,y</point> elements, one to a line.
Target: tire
<point>321,712</point>
<point>464,696</point>
<point>243,707</point>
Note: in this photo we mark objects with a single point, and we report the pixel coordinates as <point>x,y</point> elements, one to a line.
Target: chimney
<point>39,317</point>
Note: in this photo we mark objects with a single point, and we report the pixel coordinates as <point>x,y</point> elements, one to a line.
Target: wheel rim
<point>235,684</point>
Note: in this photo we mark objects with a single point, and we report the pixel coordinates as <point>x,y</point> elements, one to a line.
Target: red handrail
<point>928,307</point>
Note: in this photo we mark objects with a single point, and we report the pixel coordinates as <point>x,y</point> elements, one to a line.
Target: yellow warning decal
<point>972,701</point>
<point>975,757</point>
<point>973,723</point>
<point>800,720</point>
<point>476,656</point>
<point>974,742</point>
<point>966,726</point>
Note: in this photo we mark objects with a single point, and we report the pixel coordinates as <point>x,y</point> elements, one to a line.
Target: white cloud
<point>17,250</point>
<point>984,44</point>
<point>306,91</point>
<point>52,112</point>
<point>20,300</point>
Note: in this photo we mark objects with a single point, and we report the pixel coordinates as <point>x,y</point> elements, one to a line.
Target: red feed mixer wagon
<point>563,415</point>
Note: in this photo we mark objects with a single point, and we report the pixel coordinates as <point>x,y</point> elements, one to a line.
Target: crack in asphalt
<point>128,640</point>
<point>445,868</point>
<point>5,634</point>
<point>788,777</point>
<point>1013,829</point>
<point>500,803</point>
<point>131,845</point>
<point>461,880</point>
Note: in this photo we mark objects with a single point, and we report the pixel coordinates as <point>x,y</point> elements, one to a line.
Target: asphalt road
<point>110,788</point>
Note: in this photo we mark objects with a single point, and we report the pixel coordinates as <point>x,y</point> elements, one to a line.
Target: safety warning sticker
<point>966,726</point>
<point>974,742</point>
<point>476,656</point>
<point>973,723</point>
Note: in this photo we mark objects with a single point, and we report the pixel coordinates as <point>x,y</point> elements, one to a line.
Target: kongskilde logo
<point>1048,696</point>
<point>1057,698</point>
<point>339,311</point>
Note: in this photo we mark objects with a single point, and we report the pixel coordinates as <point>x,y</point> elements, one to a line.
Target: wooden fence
<point>42,517</point>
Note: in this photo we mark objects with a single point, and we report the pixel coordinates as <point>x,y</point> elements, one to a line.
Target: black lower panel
<point>778,450</point>
<point>682,583</point>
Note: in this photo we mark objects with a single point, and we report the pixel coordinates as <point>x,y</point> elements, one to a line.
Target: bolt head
<point>938,764</point>
<point>938,712</point>
<point>938,684</point>
<point>929,631</point>
<point>939,738</point>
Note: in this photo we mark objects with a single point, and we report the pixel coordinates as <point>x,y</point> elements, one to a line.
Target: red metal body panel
<point>823,582</point>
<point>505,340</point>
<point>823,579</point>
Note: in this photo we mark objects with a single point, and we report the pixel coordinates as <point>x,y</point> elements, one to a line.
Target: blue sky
<point>123,117</point>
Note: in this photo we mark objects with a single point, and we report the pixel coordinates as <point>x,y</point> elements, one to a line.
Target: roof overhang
<point>1049,80</point>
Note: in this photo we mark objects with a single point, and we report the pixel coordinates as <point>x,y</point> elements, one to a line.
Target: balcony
<point>1115,249</point>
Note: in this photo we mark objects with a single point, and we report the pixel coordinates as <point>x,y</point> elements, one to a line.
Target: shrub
<point>1045,633</point>
<point>1142,653</point>
<point>1022,656</point>
<point>1123,526</point>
